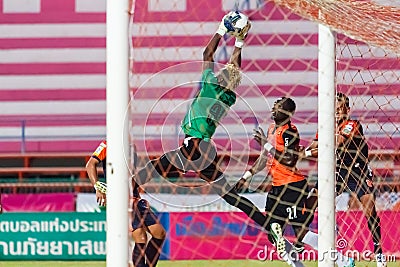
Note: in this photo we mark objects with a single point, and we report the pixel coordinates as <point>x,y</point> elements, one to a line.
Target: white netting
<point>369,75</point>
<point>373,22</point>
<point>280,59</point>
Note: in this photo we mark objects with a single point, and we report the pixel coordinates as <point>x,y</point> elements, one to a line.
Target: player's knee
<point>157,231</point>
<point>368,203</point>
<point>162,233</point>
<point>139,235</point>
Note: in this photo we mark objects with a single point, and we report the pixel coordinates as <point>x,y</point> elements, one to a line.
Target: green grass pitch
<point>192,263</point>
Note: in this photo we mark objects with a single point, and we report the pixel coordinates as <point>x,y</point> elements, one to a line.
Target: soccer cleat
<point>380,260</point>
<point>276,232</point>
<point>298,247</point>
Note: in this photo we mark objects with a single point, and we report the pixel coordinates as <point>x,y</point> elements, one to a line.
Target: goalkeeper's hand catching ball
<point>222,29</point>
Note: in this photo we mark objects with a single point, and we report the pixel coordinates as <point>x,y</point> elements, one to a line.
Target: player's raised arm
<point>259,163</point>
<point>236,24</point>
<point>209,51</point>
<point>236,57</point>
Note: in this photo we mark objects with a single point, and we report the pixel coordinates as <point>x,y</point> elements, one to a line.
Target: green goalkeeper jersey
<point>208,108</point>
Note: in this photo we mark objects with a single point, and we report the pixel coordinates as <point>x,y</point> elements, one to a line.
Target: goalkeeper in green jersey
<point>211,104</point>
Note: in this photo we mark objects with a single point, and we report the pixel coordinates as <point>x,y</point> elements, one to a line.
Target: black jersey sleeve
<point>291,139</point>
<point>291,142</point>
<point>135,191</point>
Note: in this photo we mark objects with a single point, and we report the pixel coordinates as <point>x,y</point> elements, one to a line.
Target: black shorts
<point>142,215</point>
<point>358,181</point>
<point>286,204</point>
<point>196,155</point>
<point>355,181</point>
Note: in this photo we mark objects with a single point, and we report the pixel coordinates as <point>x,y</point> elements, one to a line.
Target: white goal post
<point>117,93</point>
<point>326,145</point>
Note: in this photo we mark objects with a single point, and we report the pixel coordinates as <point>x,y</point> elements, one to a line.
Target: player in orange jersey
<point>353,173</point>
<point>286,199</point>
<point>145,253</point>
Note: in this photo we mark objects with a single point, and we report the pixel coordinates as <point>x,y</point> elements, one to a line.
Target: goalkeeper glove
<point>239,42</point>
<point>101,187</point>
<point>227,24</point>
<point>222,29</point>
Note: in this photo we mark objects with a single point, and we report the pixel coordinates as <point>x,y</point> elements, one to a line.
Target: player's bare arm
<point>209,51</point>
<point>224,27</point>
<point>91,169</point>
<point>259,164</point>
<point>311,150</point>
<point>236,57</point>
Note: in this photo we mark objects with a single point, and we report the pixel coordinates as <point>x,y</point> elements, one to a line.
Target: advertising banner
<point>190,235</point>
<point>49,202</point>
<point>354,235</point>
<point>214,235</point>
<point>232,235</point>
<point>52,236</point>
<point>87,202</point>
<point>59,236</point>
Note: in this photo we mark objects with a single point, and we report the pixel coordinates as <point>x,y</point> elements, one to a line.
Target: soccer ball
<point>237,23</point>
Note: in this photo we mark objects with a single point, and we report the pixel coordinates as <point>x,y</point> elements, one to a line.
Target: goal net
<point>369,75</point>
<point>280,58</point>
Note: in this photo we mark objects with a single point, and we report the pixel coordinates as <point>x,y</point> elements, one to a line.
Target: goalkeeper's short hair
<point>234,76</point>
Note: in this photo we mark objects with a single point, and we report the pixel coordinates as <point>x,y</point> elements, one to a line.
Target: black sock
<point>138,253</point>
<point>247,207</point>
<point>374,225</point>
<point>153,251</point>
